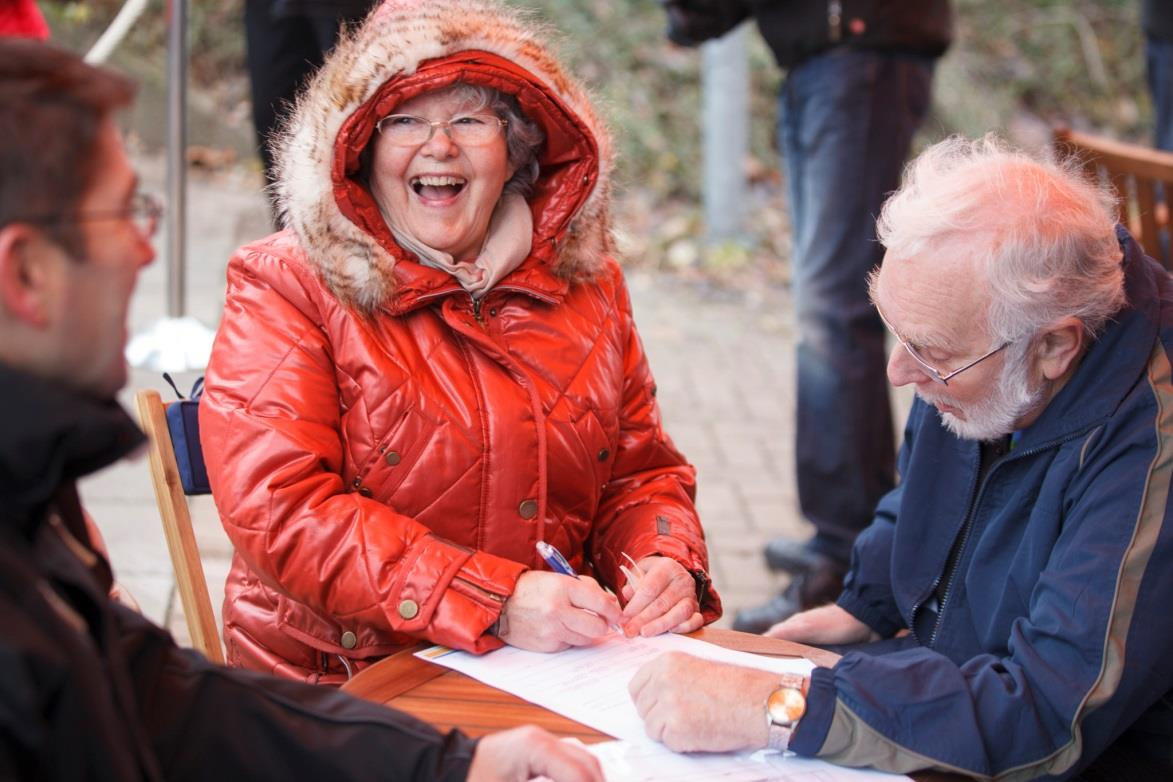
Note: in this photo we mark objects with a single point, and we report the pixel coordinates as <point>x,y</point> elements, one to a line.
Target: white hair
<point>1043,233</point>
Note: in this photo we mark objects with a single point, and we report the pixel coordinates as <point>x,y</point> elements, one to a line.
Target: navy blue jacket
<point>1054,635</point>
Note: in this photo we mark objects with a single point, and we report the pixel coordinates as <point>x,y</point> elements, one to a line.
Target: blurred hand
<point>527,752</point>
<point>663,600</point>
<point>548,612</point>
<point>694,705</point>
<point>827,624</point>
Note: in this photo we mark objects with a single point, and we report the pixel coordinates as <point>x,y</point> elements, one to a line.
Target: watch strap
<point>779,737</point>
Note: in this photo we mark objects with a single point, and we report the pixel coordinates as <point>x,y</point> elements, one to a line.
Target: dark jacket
<point>92,690</point>
<point>1053,637</point>
<point>346,10</point>
<point>1157,19</point>
<point>796,30</point>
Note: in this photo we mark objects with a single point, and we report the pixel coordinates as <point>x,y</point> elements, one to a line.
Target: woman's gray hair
<point>1043,233</point>
<point>523,136</point>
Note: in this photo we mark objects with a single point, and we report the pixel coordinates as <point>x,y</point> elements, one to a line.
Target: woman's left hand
<point>663,600</point>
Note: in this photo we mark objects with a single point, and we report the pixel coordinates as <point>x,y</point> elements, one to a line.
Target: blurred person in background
<point>285,42</point>
<point>1157,23</point>
<point>435,366</point>
<point>90,689</point>
<point>858,86</point>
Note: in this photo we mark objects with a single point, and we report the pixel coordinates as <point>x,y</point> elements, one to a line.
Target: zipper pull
<point>476,310</point>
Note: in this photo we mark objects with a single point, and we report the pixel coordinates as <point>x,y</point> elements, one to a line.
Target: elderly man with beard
<point>1005,611</point>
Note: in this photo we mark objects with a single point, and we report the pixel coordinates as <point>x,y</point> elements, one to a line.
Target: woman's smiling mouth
<point>437,187</point>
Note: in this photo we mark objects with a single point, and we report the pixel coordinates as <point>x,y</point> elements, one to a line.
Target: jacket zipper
<point>476,309</point>
<point>477,305</point>
<point>496,598</point>
<point>951,570</point>
<point>528,292</point>
<point>975,491</point>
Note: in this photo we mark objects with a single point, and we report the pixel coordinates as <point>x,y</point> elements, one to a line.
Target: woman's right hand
<point>548,612</point>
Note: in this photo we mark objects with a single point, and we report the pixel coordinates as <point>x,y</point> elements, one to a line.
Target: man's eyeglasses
<point>407,130</point>
<point>144,211</point>
<point>941,377</point>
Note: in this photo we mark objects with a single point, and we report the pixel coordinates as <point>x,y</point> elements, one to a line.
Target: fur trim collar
<point>407,47</point>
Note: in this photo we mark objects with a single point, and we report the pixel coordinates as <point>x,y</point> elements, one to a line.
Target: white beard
<point>995,416</point>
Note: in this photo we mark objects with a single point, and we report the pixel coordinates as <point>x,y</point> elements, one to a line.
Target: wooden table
<point>447,699</point>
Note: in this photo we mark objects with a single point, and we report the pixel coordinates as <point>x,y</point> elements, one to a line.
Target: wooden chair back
<point>177,526</point>
<point>1142,178</point>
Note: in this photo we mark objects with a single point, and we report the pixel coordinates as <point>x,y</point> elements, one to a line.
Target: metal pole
<point>177,160</point>
<point>176,343</point>
<point>725,133</point>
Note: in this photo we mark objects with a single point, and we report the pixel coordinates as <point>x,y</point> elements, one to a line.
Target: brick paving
<point>723,362</point>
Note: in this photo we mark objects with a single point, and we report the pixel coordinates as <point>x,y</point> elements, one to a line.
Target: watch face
<point>786,705</point>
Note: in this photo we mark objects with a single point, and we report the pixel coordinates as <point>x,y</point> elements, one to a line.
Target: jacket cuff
<point>812,729</point>
<point>707,597</point>
<point>871,612</point>
<point>452,595</point>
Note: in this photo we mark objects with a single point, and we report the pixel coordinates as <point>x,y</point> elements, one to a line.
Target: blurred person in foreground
<point>91,689</point>
<point>435,366</point>
<point>1014,586</point>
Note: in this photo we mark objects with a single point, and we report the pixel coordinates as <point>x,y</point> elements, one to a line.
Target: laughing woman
<point>434,367</point>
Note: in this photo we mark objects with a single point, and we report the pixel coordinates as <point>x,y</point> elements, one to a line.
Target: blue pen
<point>555,560</point>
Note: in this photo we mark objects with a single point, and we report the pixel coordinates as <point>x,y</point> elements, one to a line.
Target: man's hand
<point>694,705</point>
<point>528,752</point>
<point>548,612</point>
<point>827,624</point>
<point>664,599</point>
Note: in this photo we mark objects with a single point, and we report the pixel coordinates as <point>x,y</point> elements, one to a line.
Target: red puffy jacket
<point>383,453</point>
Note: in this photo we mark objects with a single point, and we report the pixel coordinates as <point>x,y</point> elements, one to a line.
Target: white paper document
<point>630,762</point>
<point>588,684</point>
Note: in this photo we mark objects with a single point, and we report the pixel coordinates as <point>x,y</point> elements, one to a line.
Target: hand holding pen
<point>548,612</point>
<point>660,593</point>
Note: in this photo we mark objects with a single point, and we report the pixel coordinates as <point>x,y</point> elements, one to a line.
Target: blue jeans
<point>846,121</point>
<point>1159,68</point>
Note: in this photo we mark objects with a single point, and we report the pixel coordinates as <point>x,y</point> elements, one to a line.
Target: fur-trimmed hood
<point>403,49</point>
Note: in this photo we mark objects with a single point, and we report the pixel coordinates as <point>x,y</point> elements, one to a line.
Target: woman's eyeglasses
<point>407,130</point>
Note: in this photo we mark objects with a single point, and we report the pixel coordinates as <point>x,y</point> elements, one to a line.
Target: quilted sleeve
<point>648,505</point>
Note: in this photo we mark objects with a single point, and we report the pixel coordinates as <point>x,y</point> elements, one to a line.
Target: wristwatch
<point>784,708</point>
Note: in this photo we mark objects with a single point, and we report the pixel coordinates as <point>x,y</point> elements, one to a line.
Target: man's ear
<point>1061,346</point>
<point>25,274</point>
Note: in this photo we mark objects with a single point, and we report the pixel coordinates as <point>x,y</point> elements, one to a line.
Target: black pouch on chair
<point>692,22</point>
<point>183,422</point>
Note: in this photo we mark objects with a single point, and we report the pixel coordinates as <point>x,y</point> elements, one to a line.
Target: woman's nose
<point>440,145</point>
